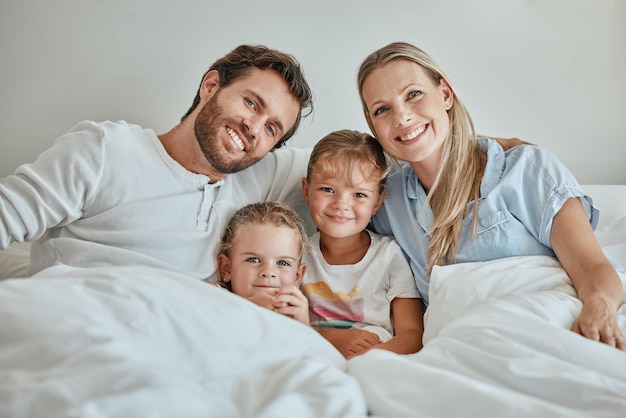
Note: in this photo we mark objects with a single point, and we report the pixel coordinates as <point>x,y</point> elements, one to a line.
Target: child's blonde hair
<point>261,213</point>
<point>339,153</point>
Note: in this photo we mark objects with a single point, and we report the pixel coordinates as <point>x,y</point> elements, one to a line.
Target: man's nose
<point>254,125</point>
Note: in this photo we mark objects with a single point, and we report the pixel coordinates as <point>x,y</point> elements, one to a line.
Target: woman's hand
<point>597,321</point>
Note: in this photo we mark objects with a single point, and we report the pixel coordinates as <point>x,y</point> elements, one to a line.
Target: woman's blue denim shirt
<point>521,191</point>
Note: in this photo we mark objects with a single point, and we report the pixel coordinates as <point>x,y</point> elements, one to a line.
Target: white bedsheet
<point>497,344</point>
<point>138,342</point>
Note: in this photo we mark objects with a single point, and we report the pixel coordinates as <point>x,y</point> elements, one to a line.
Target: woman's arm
<point>596,281</point>
<point>408,325</point>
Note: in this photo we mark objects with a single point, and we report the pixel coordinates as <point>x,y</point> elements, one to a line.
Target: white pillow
<point>612,239</point>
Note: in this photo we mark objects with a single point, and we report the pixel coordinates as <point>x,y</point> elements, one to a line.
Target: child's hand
<point>351,342</point>
<point>264,299</point>
<point>291,301</point>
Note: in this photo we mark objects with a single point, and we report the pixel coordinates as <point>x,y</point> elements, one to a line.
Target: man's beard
<point>209,122</point>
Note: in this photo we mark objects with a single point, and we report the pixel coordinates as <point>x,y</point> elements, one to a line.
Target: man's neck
<point>180,143</point>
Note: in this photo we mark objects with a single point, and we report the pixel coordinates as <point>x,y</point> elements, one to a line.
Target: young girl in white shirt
<point>359,285</point>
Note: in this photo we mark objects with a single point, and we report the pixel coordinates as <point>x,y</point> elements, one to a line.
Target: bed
<point>133,341</point>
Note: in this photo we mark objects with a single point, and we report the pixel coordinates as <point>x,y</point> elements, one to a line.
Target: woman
<point>467,199</point>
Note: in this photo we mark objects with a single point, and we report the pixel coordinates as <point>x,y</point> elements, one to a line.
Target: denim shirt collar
<point>496,163</point>
<point>415,192</point>
<point>414,189</point>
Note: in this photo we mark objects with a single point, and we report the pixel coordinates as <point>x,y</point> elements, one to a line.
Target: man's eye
<point>414,94</point>
<point>250,103</point>
<point>270,130</point>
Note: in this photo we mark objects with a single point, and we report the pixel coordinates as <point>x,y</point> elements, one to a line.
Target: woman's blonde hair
<point>261,213</point>
<point>339,153</point>
<point>457,182</point>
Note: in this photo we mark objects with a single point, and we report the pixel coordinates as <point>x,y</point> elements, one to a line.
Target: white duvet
<point>137,342</point>
<point>497,344</point>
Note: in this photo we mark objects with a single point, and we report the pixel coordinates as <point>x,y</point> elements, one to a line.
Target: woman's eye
<point>414,94</point>
<point>380,110</point>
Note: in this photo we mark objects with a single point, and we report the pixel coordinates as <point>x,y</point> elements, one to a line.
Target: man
<point>115,193</point>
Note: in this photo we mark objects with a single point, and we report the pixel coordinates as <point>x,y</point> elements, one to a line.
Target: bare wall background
<point>548,71</point>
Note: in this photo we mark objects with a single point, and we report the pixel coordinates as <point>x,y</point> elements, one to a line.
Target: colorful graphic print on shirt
<point>333,309</point>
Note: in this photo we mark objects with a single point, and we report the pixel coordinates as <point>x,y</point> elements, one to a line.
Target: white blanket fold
<point>139,342</point>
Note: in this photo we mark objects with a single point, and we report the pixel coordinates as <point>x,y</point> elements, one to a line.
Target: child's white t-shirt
<point>357,295</point>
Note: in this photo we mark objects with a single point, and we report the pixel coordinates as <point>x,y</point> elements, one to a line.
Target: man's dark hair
<point>238,62</point>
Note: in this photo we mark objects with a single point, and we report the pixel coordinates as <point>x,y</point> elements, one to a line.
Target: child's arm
<point>351,342</point>
<point>408,324</point>
<point>291,301</point>
<point>408,320</point>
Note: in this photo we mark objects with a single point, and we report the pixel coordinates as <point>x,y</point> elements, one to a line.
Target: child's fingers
<point>286,300</point>
<point>286,297</point>
<point>288,291</point>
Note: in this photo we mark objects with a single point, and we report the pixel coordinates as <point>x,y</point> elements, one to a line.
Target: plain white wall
<point>548,71</point>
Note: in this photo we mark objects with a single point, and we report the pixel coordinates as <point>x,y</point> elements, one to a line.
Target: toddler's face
<point>264,258</point>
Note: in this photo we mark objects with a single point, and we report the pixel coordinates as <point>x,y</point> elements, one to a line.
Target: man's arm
<point>53,189</point>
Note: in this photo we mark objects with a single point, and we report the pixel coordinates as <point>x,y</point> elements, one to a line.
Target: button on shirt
<point>521,191</point>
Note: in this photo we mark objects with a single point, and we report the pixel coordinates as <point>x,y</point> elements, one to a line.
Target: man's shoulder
<point>104,125</point>
<point>281,162</point>
<point>108,130</point>
<point>291,155</point>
